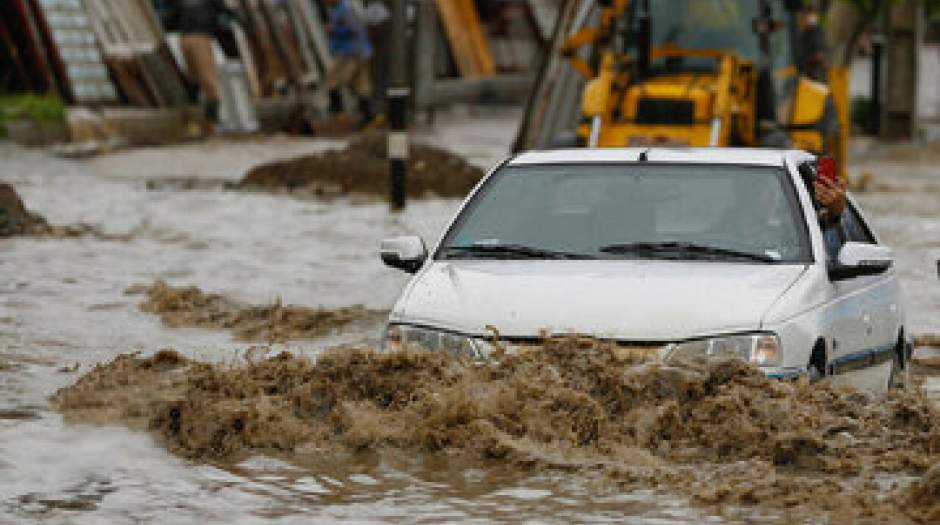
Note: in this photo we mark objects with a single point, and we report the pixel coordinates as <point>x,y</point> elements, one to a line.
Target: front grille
<point>665,111</point>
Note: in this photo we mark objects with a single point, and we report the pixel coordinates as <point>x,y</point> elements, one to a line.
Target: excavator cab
<point>704,73</point>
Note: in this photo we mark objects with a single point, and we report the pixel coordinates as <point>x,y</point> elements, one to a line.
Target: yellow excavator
<point>704,73</point>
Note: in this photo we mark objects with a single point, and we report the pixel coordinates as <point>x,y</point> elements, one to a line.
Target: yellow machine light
<point>809,106</point>
<point>596,95</point>
<point>810,102</point>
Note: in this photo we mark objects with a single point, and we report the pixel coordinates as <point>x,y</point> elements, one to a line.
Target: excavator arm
<point>598,38</point>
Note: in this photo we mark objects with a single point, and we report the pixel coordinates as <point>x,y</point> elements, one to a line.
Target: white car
<point>679,251</point>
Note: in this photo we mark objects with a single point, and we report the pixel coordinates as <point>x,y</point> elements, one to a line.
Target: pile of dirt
<point>362,168</point>
<point>718,431</point>
<point>15,219</point>
<point>274,323</point>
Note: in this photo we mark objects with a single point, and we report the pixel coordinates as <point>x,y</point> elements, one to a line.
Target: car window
<point>834,235</point>
<point>855,228</point>
<point>582,208</point>
<point>716,24</point>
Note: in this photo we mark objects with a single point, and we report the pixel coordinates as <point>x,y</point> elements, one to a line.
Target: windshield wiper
<point>512,250</point>
<point>682,248</point>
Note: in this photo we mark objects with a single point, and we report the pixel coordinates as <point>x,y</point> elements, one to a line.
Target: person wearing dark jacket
<point>813,47</point>
<point>197,21</point>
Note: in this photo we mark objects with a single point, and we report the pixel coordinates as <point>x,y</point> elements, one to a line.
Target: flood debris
<point>180,307</point>
<point>718,431</point>
<point>362,168</point>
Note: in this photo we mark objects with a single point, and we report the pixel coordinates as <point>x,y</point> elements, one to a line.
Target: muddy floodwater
<point>163,216</point>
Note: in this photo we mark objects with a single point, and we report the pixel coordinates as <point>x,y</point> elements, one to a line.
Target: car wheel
<point>899,373</point>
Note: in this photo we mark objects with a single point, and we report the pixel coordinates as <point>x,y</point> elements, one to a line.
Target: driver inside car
<point>829,198</point>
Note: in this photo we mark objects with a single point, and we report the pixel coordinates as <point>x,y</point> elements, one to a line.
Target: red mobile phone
<point>826,170</point>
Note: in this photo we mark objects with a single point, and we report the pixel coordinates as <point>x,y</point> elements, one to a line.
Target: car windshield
<point>658,211</point>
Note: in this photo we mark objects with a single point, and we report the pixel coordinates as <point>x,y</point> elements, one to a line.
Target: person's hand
<point>831,195</point>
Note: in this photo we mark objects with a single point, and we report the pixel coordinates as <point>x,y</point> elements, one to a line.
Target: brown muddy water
<point>63,311</point>
<point>572,406</point>
<point>188,306</point>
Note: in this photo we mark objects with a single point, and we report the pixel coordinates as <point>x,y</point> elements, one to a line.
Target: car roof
<point>744,156</point>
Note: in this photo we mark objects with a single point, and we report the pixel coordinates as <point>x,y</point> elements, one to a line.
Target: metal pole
<point>644,43</point>
<point>397,95</point>
<point>877,48</point>
<point>425,40</point>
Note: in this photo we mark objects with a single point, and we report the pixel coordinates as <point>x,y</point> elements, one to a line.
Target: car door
<point>858,311</point>
<point>846,320</point>
<point>843,317</point>
<point>880,293</point>
<point>864,309</point>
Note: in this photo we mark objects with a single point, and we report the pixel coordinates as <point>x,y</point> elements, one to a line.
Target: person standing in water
<point>352,54</point>
<point>198,21</point>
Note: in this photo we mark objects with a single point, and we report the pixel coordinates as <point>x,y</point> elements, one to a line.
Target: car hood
<point>627,300</point>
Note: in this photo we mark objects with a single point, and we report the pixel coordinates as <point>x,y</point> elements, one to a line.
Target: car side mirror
<point>857,259</point>
<point>405,253</point>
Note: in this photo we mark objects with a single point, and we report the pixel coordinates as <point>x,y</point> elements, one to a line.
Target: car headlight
<point>760,349</point>
<point>399,336</point>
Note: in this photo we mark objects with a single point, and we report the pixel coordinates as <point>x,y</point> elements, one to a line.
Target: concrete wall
<point>928,99</point>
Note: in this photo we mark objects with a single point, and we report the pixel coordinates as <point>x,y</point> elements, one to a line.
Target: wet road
<point>903,208</point>
<point>62,303</point>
